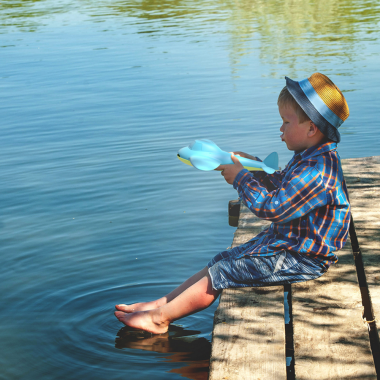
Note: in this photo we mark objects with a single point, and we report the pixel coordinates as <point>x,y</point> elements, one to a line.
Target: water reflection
<point>77,123</point>
<point>302,35</point>
<point>183,346</point>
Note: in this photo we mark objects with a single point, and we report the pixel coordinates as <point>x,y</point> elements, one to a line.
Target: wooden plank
<point>331,340</point>
<point>363,180</point>
<point>248,339</point>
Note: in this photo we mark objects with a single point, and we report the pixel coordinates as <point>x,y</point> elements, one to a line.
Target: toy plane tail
<point>272,163</point>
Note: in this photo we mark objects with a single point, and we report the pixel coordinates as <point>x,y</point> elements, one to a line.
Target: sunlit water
<point>96,99</point>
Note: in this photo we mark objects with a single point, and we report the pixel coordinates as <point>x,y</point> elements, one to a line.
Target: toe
<point>122,307</point>
<point>119,314</point>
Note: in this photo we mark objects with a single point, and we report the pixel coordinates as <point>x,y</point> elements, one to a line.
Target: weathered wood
<point>233,212</point>
<point>363,180</point>
<point>331,340</point>
<point>248,339</point>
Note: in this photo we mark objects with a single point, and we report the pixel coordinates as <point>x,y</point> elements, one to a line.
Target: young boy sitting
<point>307,203</point>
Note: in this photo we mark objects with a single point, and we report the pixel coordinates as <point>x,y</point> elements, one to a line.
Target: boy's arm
<point>295,197</point>
<point>270,181</point>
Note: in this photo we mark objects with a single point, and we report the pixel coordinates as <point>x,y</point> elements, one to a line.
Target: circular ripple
<point>87,336</point>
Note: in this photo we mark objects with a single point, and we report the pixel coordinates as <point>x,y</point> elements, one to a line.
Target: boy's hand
<point>229,172</point>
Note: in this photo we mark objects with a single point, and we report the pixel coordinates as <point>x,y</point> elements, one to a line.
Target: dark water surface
<point>96,97</point>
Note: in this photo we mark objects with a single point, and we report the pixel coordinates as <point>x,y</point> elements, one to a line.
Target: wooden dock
<point>332,333</point>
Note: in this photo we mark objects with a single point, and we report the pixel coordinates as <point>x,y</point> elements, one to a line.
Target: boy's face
<point>294,133</point>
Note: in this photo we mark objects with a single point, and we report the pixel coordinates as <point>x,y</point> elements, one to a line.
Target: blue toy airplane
<point>206,155</point>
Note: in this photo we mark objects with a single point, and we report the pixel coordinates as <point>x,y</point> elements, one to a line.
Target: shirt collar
<point>315,150</point>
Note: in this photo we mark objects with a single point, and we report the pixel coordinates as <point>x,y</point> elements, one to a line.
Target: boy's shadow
<point>183,346</point>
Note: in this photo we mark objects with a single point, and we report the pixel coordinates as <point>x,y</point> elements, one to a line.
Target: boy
<point>307,203</point>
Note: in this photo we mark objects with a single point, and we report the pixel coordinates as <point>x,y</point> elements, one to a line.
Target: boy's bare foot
<point>144,320</point>
<point>141,306</point>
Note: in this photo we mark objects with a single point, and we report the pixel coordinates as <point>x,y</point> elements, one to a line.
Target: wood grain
<point>248,339</point>
<point>330,338</point>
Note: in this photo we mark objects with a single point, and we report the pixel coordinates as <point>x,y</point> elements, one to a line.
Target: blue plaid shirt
<point>307,203</point>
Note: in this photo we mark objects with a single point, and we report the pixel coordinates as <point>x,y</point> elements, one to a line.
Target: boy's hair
<point>285,99</point>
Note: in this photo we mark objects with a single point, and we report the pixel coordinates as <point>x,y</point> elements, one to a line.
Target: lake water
<point>96,99</point>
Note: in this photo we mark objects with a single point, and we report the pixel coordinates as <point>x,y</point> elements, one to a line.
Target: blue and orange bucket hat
<point>322,101</point>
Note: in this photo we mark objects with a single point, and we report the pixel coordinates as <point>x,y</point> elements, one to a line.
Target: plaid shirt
<point>307,203</point>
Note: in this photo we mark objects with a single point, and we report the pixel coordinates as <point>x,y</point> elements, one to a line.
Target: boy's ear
<point>313,130</point>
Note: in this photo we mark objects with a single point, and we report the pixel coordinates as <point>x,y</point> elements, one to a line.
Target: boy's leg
<point>142,306</point>
<point>194,298</point>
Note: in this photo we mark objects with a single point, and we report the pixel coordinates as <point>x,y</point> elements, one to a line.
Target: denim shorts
<point>286,267</point>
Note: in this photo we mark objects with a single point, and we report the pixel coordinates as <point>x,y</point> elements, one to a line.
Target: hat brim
<point>323,125</point>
